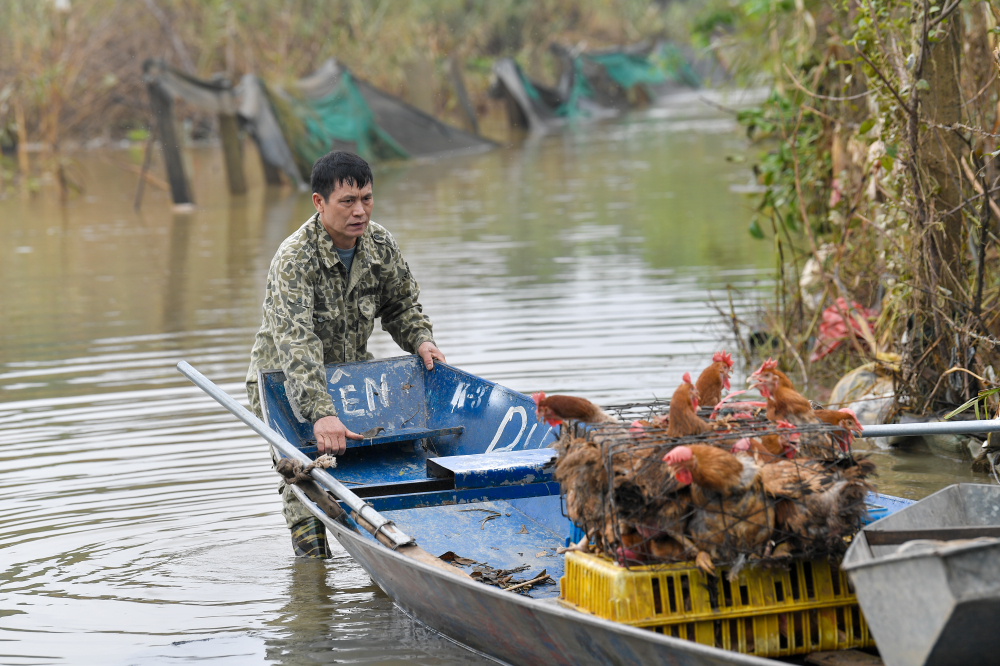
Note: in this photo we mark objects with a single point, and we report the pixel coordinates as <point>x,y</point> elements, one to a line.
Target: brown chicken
<point>555,409</point>
<point>846,419</point>
<point>818,503</point>
<point>683,418</point>
<point>784,403</point>
<point>770,448</point>
<point>732,518</point>
<point>650,503</point>
<point>713,379</point>
<point>581,474</point>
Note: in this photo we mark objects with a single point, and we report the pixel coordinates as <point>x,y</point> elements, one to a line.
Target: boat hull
<point>515,629</point>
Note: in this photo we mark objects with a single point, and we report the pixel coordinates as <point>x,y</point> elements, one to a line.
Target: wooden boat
<point>928,578</point>
<point>462,465</point>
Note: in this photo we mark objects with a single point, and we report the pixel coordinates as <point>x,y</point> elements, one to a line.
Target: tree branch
<point>970,174</point>
<point>945,14</point>
<point>817,95</point>
<point>878,72</point>
<point>175,41</point>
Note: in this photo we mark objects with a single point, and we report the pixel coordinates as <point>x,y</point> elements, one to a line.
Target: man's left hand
<point>429,352</point>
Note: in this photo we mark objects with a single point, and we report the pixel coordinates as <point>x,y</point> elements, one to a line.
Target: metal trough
<point>928,578</point>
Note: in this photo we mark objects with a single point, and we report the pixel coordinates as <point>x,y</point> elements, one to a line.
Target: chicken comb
<point>769,364</point>
<point>856,425</point>
<point>722,357</point>
<point>742,444</point>
<point>792,436</point>
<point>686,378</point>
<point>678,454</point>
<point>538,397</point>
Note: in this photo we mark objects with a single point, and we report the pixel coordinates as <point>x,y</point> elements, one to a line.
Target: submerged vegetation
<point>878,179</point>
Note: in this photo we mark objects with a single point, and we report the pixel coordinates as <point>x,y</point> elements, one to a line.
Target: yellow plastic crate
<point>766,612</point>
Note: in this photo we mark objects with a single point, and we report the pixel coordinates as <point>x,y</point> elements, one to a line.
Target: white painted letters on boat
<point>503,424</point>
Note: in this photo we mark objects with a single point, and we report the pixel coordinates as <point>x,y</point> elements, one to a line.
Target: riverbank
<point>72,74</point>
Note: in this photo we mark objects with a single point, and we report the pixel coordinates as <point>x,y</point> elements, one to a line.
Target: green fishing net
<point>342,118</point>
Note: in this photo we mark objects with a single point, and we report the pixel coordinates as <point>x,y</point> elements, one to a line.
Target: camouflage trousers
<point>291,508</point>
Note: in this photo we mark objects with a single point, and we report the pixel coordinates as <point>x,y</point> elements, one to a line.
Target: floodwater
<point>139,522</point>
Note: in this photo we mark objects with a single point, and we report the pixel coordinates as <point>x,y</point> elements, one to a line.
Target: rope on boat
<point>295,472</point>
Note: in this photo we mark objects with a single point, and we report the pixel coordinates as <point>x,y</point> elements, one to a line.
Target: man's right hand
<point>332,435</point>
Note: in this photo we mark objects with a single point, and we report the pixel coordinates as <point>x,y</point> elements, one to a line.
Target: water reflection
<point>139,520</point>
<point>364,621</point>
<point>175,286</point>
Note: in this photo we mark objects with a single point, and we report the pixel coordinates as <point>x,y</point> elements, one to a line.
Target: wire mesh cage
<point>744,490</point>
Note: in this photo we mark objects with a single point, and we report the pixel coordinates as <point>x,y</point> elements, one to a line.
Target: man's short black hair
<point>338,167</point>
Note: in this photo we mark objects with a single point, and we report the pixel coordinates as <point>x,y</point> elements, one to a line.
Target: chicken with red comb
<point>675,459</point>
<point>731,515</point>
<point>650,502</point>
<point>555,409</point>
<point>683,419</point>
<point>714,378</point>
<point>770,448</point>
<point>784,403</point>
<point>844,418</point>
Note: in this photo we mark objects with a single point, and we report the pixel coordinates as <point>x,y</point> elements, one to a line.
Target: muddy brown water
<point>139,523</point>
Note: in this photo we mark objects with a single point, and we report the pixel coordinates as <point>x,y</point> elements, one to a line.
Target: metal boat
<point>928,578</point>
<point>463,465</point>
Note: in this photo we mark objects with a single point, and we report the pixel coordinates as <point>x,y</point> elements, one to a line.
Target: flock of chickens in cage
<point>709,479</point>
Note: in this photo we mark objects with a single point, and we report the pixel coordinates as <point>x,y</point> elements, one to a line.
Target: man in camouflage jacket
<point>327,283</point>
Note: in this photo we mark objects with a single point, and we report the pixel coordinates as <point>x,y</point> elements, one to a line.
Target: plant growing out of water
<point>880,171</point>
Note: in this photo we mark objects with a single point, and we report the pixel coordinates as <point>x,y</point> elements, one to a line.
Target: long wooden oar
<point>383,530</point>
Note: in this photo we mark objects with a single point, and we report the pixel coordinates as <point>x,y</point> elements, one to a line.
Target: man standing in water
<point>327,283</point>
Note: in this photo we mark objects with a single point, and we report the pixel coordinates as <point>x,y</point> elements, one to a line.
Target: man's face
<point>345,213</point>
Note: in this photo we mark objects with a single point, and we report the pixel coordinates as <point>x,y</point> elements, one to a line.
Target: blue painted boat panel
<point>402,435</point>
<point>508,539</point>
<point>496,418</point>
<point>488,470</point>
<point>464,496</point>
<point>398,394</point>
<point>547,511</point>
<point>880,506</point>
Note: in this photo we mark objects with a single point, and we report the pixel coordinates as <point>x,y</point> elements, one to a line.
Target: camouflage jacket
<point>314,314</point>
